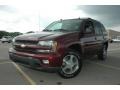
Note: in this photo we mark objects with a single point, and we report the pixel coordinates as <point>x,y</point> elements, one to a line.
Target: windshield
<point>64,25</point>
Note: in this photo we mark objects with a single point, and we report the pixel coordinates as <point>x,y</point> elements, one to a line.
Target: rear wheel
<point>71,65</point>
<point>103,53</point>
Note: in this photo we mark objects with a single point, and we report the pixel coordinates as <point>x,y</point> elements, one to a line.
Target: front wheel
<point>71,65</point>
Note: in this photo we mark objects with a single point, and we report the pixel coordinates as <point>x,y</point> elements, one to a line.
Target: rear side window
<point>103,29</point>
<point>98,28</point>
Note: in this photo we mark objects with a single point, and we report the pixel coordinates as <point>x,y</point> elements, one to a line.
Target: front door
<point>89,39</point>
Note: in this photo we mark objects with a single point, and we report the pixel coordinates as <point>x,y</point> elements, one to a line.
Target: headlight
<point>50,44</point>
<point>45,43</point>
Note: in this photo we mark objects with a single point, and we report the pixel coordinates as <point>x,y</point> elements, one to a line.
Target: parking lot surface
<point>94,71</point>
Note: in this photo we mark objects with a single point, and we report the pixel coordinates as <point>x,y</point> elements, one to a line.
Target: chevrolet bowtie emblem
<point>23,45</point>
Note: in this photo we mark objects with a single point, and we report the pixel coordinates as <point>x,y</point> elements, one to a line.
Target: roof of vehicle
<point>77,19</point>
<point>87,18</point>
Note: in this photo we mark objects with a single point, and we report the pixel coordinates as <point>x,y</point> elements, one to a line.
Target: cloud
<point>108,14</point>
<point>23,19</point>
<point>9,9</point>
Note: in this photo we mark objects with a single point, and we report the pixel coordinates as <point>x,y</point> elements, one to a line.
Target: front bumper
<point>36,60</point>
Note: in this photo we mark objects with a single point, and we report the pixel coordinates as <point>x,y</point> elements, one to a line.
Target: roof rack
<point>85,18</point>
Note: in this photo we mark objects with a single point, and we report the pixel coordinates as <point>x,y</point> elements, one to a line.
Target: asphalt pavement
<point>94,71</point>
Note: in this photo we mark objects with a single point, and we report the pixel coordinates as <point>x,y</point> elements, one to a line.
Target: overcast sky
<point>24,18</point>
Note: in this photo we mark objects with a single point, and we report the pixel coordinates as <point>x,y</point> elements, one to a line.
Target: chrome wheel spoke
<point>67,69</point>
<point>74,61</point>
<point>71,60</point>
<point>70,64</point>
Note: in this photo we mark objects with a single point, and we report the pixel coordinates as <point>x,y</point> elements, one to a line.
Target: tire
<point>2,41</point>
<point>103,53</point>
<point>72,64</point>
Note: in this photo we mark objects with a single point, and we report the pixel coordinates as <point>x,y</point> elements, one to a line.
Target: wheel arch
<point>76,47</point>
<point>106,44</point>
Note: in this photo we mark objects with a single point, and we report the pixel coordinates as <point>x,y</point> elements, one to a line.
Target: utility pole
<point>39,20</point>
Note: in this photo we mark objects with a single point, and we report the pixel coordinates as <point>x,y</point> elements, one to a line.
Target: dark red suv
<point>61,46</point>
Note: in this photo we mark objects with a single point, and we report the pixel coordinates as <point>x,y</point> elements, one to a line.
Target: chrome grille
<point>28,42</point>
<point>18,43</point>
<point>26,49</point>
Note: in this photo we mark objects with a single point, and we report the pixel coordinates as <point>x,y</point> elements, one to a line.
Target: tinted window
<point>98,29</point>
<point>56,26</point>
<point>89,28</point>
<point>103,29</point>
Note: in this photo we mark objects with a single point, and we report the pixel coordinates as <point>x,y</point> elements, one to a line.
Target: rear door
<point>99,34</point>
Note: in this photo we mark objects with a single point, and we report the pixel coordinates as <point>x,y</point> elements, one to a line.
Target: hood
<point>41,36</point>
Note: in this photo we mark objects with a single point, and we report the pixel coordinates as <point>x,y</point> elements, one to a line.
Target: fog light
<point>43,51</point>
<point>45,61</point>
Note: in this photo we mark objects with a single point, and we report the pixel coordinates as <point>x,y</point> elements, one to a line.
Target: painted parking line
<point>5,62</point>
<point>32,82</point>
<point>103,65</point>
<point>113,50</point>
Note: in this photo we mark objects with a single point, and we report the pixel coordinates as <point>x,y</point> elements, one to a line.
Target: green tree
<point>3,33</point>
<point>13,34</point>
